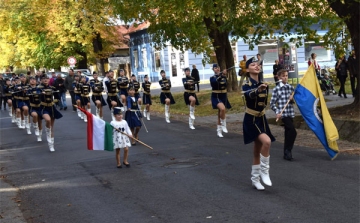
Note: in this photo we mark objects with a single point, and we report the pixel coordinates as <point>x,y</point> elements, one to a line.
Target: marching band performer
<point>123,83</point>
<point>190,96</point>
<point>49,113</point>
<point>85,97</point>
<point>34,97</point>
<point>136,85</point>
<point>97,89</point>
<point>219,98</point>
<point>255,126</point>
<point>22,110</point>
<point>112,99</point>
<point>133,114</point>
<point>8,88</point>
<point>77,94</point>
<point>146,96</point>
<point>166,97</point>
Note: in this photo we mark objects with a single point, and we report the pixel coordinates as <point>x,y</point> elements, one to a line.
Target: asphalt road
<point>190,176</point>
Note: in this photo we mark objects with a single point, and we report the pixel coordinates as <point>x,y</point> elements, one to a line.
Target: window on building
<point>319,49</point>
<point>136,59</point>
<point>269,51</point>
<point>157,61</point>
<point>144,57</point>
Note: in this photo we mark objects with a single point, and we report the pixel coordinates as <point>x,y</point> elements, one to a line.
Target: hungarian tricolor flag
<point>99,133</point>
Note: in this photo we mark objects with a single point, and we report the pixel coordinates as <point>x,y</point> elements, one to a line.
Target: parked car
<point>85,71</point>
<point>63,74</point>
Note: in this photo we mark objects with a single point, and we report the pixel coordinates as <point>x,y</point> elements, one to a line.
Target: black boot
<point>288,155</point>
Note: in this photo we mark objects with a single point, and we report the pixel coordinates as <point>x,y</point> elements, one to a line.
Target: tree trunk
<point>100,66</point>
<point>350,12</point>
<point>223,51</point>
<point>82,64</point>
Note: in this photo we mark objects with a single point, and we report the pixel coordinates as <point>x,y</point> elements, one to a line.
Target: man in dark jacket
<point>341,69</point>
<point>68,85</point>
<point>59,85</point>
<point>195,75</point>
<point>354,72</point>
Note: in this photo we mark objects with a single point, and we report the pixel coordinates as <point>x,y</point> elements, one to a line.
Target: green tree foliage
<point>45,33</point>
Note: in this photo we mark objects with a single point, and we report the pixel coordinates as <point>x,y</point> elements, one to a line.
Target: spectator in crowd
<point>315,63</point>
<point>260,63</point>
<point>341,69</point>
<point>353,67</point>
<point>69,86</point>
<point>52,79</point>
<point>242,71</point>
<point>59,85</point>
<point>196,76</point>
<point>276,68</point>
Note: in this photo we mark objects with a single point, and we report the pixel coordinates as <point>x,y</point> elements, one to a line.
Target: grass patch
<point>205,108</point>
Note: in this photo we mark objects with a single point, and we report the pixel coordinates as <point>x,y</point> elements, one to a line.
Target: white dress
<point>120,140</point>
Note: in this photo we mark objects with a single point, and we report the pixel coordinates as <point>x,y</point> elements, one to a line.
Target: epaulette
<point>248,83</point>
<point>40,86</point>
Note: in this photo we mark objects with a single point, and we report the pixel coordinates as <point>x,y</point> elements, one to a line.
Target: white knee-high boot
<point>167,114</point>
<point>78,112</point>
<point>27,125</point>
<point>112,115</point>
<point>36,128</point>
<point>148,115</point>
<point>48,134</point>
<point>10,112</point>
<point>97,112</point>
<point>51,145</point>
<point>255,177</point>
<point>219,131</point>
<point>191,123</point>
<point>192,112</point>
<point>223,125</point>
<point>264,170</point>
<point>39,139</point>
<point>13,119</point>
<point>145,114</point>
<point>22,124</point>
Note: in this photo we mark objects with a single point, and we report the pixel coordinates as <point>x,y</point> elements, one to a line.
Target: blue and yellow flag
<point>311,103</point>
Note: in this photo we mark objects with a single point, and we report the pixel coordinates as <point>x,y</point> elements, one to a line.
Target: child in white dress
<point>120,140</point>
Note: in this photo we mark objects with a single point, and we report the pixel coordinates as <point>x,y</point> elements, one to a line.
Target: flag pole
<point>132,137</point>
<point>277,119</point>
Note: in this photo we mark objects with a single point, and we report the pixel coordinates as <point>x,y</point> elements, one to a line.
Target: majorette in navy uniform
<point>190,95</point>
<point>34,98</point>
<point>97,88</point>
<point>165,95</point>
<point>112,99</point>
<point>14,82</point>
<point>85,95</point>
<point>255,126</point>
<point>22,107</point>
<point>133,113</point>
<point>219,98</point>
<point>48,98</point>
<point>136,85</point>
<point>123,84</point>
<point>8,89</point>
<point>77,94</point>
<point>146,96</point>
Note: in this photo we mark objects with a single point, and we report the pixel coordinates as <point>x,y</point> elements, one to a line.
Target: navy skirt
<point>123,91</point>
<point>37,111</point>
<point>85,101</point>
<point>217,98</point>
<point>113,98</point>
<point>147,99</point>
<point>51,111</point>
<point>254,126</point>
<point>100,98</point>
<point>164,96</point>
<point>133,118</point>
<point>21,104</point>
<point>77,97</point>
<point>186,98</point>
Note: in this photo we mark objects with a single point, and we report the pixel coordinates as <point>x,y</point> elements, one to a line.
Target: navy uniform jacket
<point>219,92</point>
<point>255,122</point>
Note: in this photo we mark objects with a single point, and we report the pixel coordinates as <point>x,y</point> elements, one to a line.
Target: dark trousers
<point>198,86</point>
<point>352,83</point>
<point>73,102</point>
<point>342,79</point>
<point>290,133</point>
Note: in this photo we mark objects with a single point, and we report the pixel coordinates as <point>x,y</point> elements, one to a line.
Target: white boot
<point>148,115</point>
<point>27,125</point>
<point>48,134</point>
<point>255,177</point>
<point>22,124</point>
<point>36,128</point>
<point>10,112</point>
<point>78,112</point>
<point>192,111</point>
<point>13,119</point>
<point>191,123</point>
<point>265,166</point>
<point>85,116</point>
<point>167,114</point>
<point>51,145</point>
<point>82,115</point>
<point>112,115</point>
<point>39,139</point>
<point>223,125</point>
<point>219,131</point>
<point>145,115</point>
<point>97,112</point>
